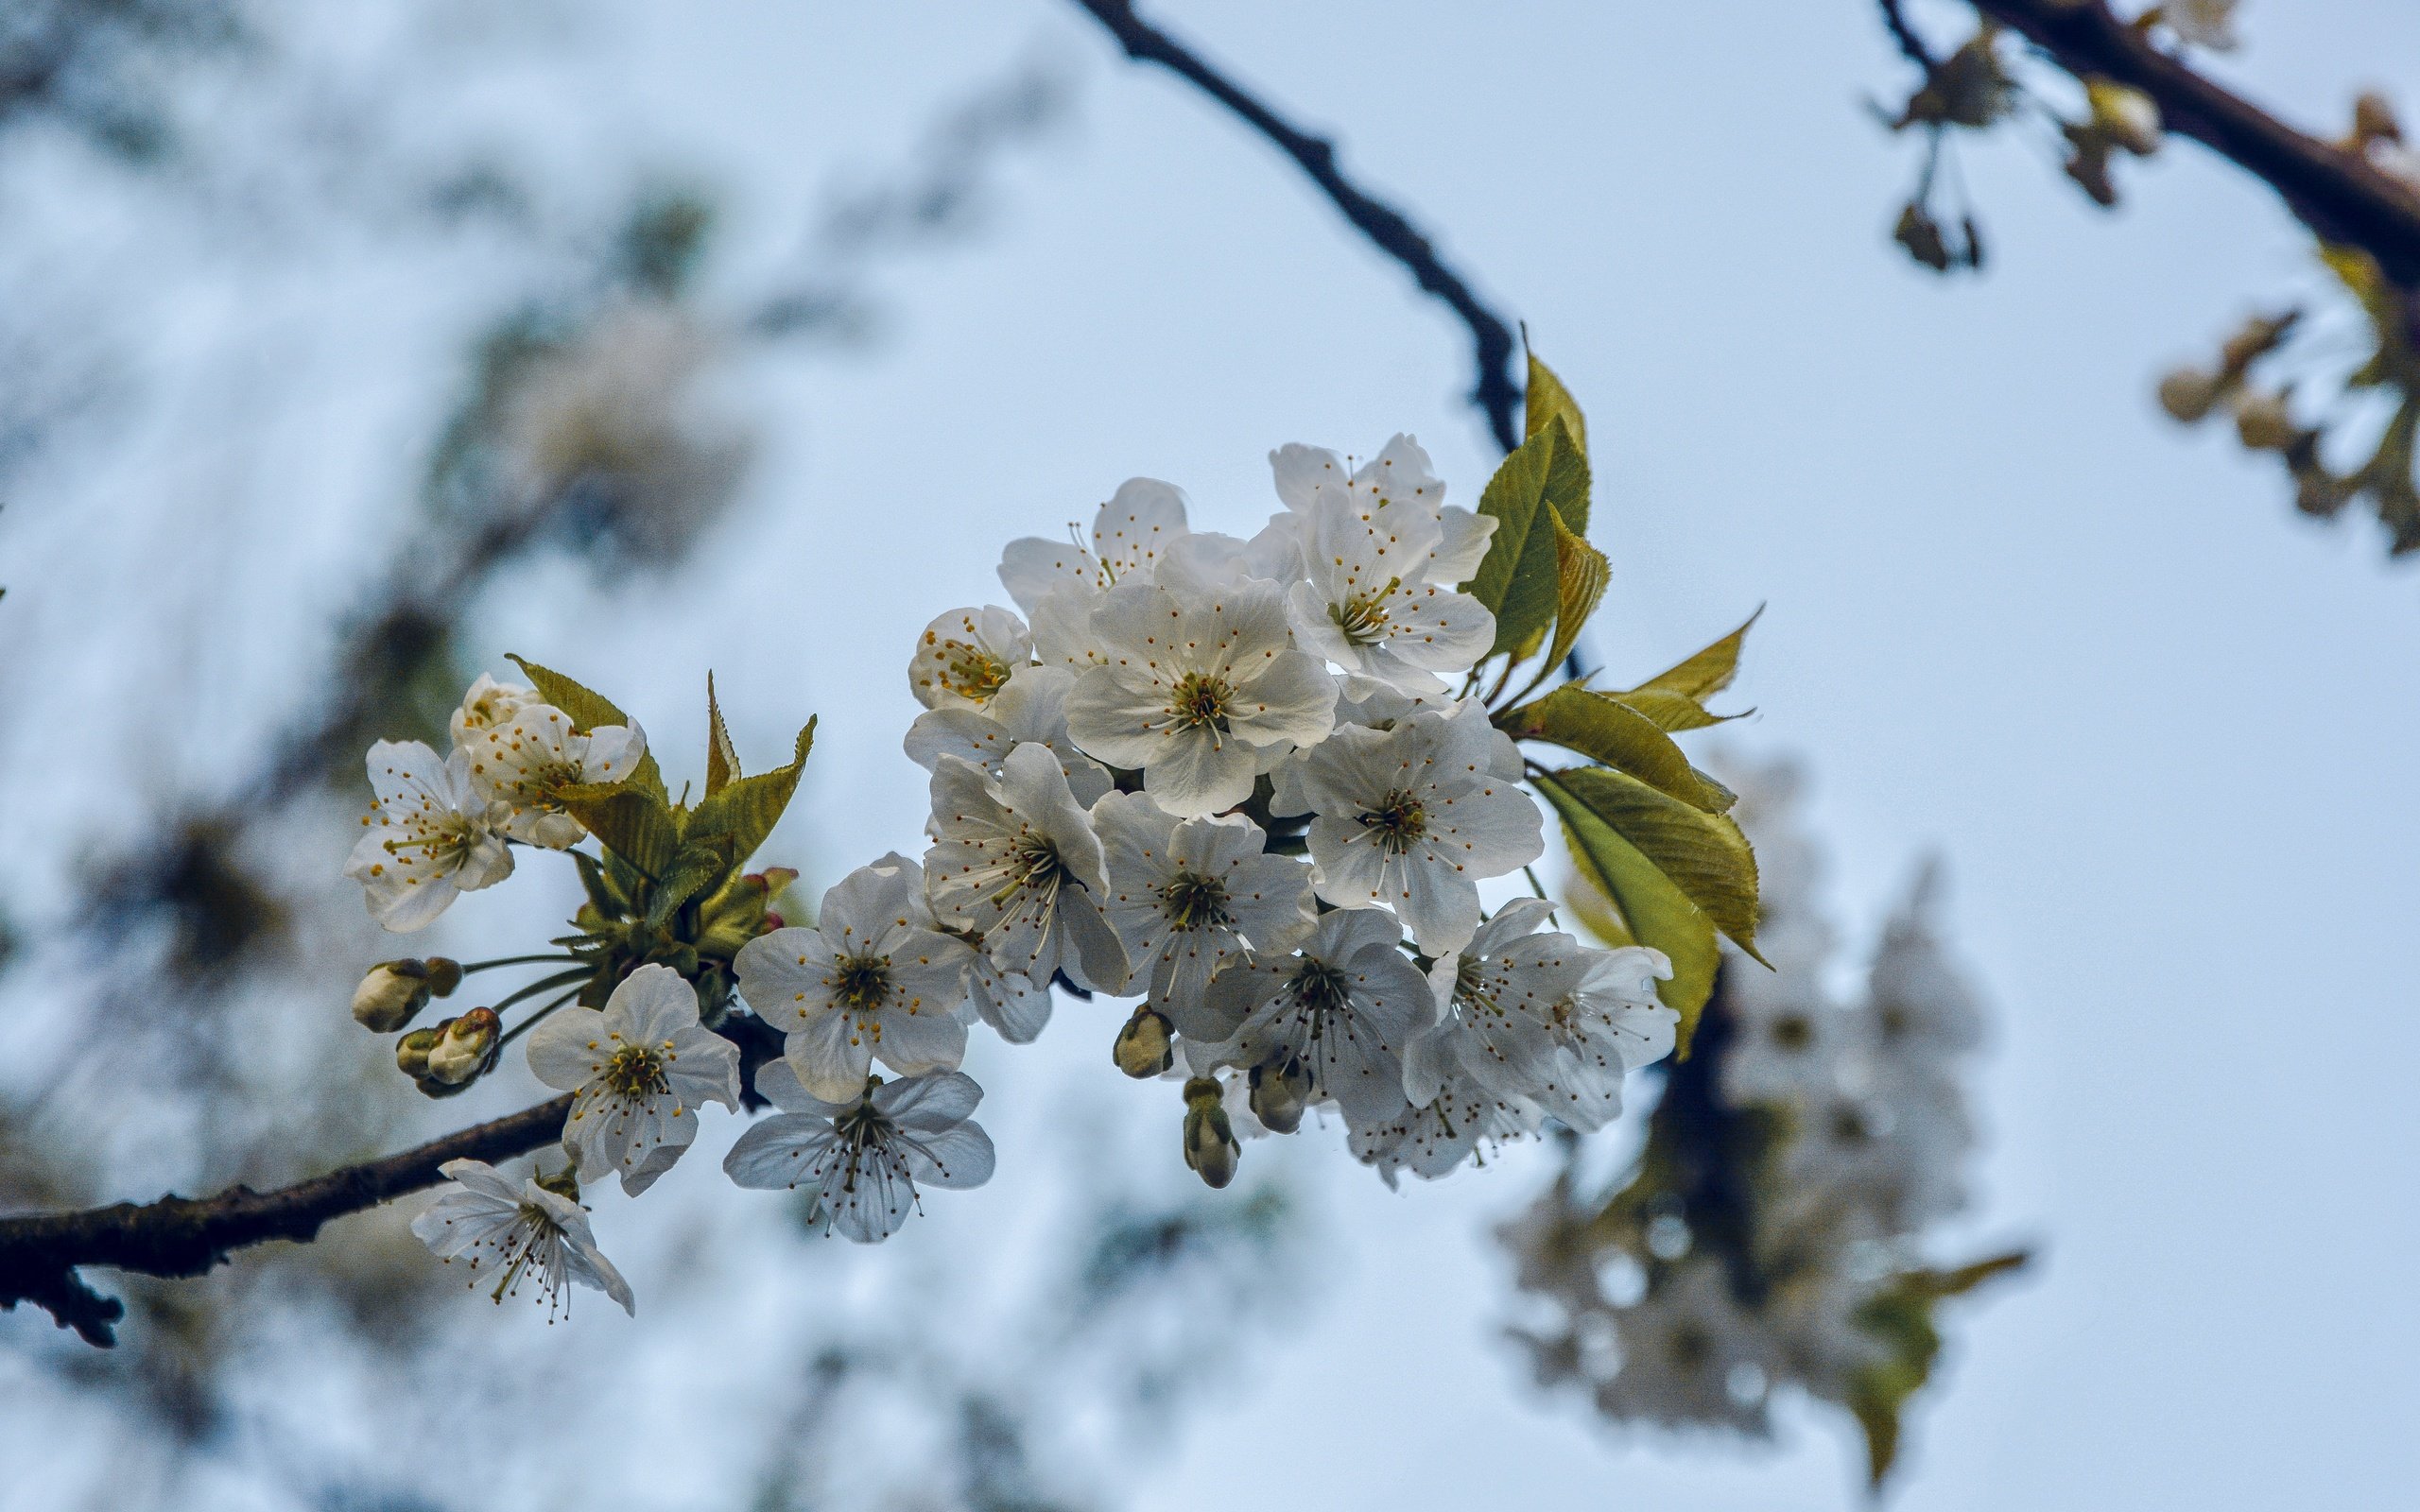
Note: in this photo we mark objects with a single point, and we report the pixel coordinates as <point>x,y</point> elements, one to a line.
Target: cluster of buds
<point>392,993</point>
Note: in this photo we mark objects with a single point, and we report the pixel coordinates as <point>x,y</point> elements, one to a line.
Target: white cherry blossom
<point>519,1230</point>
<point>1128,536</point>
<point>524,764</point>
<point>1369,605</point>
<point>876,979</point>
<point>862,1156</point>
<point>1412,818</point>
<point>1198,686</point>
<point>1016,863</point>
<point>1186,897</point>
<point>1341,1011</point>
<point>966,655</point>
<point>1033,707</point>
<point>1309,477</point>
<point>489,704</point>
<point>429,837</point>
<point>640,1066</point>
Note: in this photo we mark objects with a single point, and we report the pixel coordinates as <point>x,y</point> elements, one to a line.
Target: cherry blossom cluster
<point>1236,779</point>
<point>1246,781</point>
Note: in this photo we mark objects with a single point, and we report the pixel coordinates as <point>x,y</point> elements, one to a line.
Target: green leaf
<point>722,761</point>
<point>1579,570</point>
<point>609,899</point>
<point>743,812</point>
<point>698,867</point>
<point>1548,401</point>
<point>632,822</point>
<point>1517,580</point>
<point>1705,854</point>
<point>1608,730</point>
<point>1653,909</point>
<point>1900,1317</point>
<point>1708,672</point>
<point>589,709</point>
<point>1669,712</point>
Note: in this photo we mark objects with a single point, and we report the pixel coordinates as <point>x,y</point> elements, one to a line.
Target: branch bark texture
<point>1496,393</point>
<point>188,1236</point>
<point>2340,196</point>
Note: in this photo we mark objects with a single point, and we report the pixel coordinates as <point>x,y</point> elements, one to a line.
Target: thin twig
<point>2340,194</point>
<point>1910,43</point>
<point>187,1236</point>
<point>1496,394</point>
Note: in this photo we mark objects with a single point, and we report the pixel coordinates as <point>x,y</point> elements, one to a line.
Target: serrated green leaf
<point>697,868</point>
<point>1671,711</point>
<point>1708,672</point>
<point>1517,579</point>
<point>722,761</point>
<point>744,813</point>
<point>588,710</point>
<point>1605,730</point>
<point>1653,909</point>
<point>1547,400</point>
<point>1705,854</point>
<point>1581,571</point>
<point>630,822</point>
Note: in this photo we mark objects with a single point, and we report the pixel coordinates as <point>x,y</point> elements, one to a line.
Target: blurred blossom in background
<point>343,351</point>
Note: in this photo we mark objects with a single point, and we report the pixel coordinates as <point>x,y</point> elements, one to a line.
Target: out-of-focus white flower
<point>2203,23</point>
<point>1339,1012</point>
<point>641,1065</point>
<point>1186,897</point>
<point>1015,862</point>
<point>1689,1355</point>
<point>966,655</point>
<point>524,763</point>
<point>1032,708</point>
<point>521,1231</point>
<point>488,705</point>
<point>429,837</point>
<point>863,1157</point>
<point>1196,686</point>
<point>1412,819</point>
<point>876,979</point>
<point>1923,1008</point>
<point>1368,546</point>
<point>617,433</point>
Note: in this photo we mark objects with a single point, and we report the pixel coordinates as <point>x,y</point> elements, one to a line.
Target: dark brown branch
<point>187,1236</point>
<point>1496,394</point>
<point>2340,194</point>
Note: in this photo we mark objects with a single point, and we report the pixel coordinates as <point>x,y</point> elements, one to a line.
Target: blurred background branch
<point>1494,391</point>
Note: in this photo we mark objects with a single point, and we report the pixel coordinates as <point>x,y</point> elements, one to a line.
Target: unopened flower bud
<point>2258,338</point>
<point>464,1047</point>
<point>2189,393</point>
<point>1280,1091</point>
<point>1143,1049</point>
<point>444,975</point>
<point>411,1051</point>
<point>1210,1147</point>
<point>392,995</point>
<point>2264,423</point>
<point>564,1183</point>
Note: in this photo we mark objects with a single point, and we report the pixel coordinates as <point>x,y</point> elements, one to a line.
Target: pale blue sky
<point>2162,731</point>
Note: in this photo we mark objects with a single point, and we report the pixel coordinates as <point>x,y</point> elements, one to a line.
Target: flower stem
<point>469,967</point>
<point>534,1020</point>
<point>538,987</point>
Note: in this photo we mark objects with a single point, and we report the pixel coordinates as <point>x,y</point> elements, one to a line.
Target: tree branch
<point>1911,45</point>
<point>1498,396</point>
<point>187,1236</point>
<point>2340,194</point>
